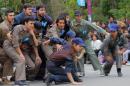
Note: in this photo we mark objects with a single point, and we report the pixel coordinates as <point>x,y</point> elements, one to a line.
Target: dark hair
<point>64,14</point>
<point>28,18</point>
<point>95,36</point>
<point>66,28</point>
<point>111,17</point>
<point>27,5</point>
<point>40,6</point>
<point>8,11</point>
<point>60,18</point>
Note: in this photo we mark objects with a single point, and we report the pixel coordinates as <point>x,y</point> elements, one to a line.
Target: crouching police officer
<point>15,50</point>
<point>113,48</point>
<point>65,58</point>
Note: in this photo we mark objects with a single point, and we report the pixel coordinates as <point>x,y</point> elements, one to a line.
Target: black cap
<point>77,13</point>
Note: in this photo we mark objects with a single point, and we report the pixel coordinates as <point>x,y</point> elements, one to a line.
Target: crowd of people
<point>34,46</point>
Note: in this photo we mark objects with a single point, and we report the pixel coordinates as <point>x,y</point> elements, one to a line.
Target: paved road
<point>92,78</point>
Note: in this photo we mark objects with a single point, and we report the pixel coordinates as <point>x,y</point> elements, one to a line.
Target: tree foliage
<point>16,4</point>
<point>117,8</point>
<point>101,9</point>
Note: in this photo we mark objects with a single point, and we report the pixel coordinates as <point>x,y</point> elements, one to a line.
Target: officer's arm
<point>69,75</point>
<point>105,45</point>
<point>34,37</point>
<point>38,24</point>
<point>56,40</point>
<point>36,51</point>
<point>9,35</point>
<point>125,42</point>
<point>68,69</point>
<point>52,32</point>
<point>81,54</point>
<point>15,41</point>
<point>97,28</point>
<point>48,19</point>
<point>37,59</point>
<point>18,50</point>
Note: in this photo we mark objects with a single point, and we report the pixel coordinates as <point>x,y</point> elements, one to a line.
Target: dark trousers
<point>42,69</point>
<point>107,67</point>
<point>59,73</point>
<point>108,64</point>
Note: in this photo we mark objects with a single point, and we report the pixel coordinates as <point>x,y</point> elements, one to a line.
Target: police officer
<point>5,28</point>
<point>57,30</point>
<point>14,49</point>
<point>82,29</point>
<point>80,61</point>
<point>66,58</point>
<point>113,48</point>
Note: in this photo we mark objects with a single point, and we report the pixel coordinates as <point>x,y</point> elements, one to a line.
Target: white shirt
<point>96,45</point>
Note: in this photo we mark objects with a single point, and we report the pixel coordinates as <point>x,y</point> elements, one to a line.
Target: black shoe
<point>79,80</point>
<point>1,83</point>
<point>102,72</point>
<point>120,74</point>
<point>106,74</point>
<point>48,80</point>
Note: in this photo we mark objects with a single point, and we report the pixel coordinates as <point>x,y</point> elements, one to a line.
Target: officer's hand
<point>34,37</point>
<point>46,42</point>
<point>38,60</point>
<point>9,36</point>
<point>83,50</point>
<point>59,47</point>
<point>36,42</point>
<point>22,57</point>
<point>39,42</point>
<point>76,83</point>
<point>75,58</point>
<point>121,51</point>
<point>124,62</point>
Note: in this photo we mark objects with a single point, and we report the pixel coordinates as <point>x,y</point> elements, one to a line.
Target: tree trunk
<point>54,7</point>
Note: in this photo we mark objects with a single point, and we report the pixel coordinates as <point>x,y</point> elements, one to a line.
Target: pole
<point>89,9</point>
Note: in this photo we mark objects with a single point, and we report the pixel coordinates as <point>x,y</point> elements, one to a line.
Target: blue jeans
<point>59,73</point>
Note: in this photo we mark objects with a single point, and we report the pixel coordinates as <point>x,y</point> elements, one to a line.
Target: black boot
<point>119,72</point>
<point>48,80</point>
<point>107,67</point>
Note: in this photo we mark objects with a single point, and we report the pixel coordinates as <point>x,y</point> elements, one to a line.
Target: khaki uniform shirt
<point>19,32</point>
<point>53,32</point>
<point>5,27</point>
<point>83,27</point>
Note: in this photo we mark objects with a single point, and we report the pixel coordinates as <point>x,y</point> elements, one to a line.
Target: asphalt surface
<point>93,78</point>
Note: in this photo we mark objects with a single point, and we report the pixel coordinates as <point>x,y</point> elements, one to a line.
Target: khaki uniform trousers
<point>20,65</point>
<point>6,63</point>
